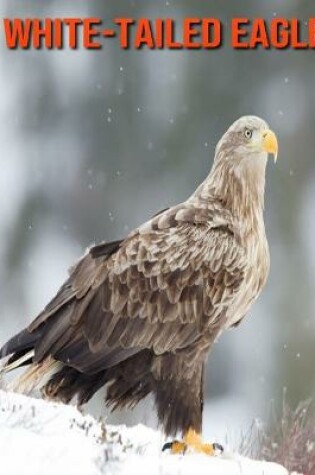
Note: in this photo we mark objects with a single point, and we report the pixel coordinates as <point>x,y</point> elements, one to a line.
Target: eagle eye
<point>248,133</point>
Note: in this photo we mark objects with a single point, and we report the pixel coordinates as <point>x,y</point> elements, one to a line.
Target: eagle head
<point>247,139</point>
<point>237,177</point>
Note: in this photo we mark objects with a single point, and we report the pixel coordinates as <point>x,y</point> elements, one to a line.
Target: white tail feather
<point>37,375</point>
<point>9,367</point>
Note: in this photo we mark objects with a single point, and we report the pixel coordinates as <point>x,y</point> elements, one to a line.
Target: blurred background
<point>93,143</point>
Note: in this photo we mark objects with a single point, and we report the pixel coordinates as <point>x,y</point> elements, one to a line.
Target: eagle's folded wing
<point>161,288</point>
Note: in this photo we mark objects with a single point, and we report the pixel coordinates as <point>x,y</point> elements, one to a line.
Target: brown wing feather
<point>161,288</point>
<point>82,274</point>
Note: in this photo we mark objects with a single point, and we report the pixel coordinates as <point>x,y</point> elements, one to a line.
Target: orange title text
<point>158,33</point>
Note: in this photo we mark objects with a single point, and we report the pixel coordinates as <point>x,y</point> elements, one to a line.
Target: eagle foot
<point>192,443</point>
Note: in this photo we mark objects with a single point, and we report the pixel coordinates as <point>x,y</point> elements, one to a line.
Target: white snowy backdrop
<point>46,437</point>
<point>93,143</point>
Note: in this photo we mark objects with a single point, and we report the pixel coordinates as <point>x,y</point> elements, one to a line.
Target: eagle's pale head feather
<point>237,177</point>
<point>247,138</point>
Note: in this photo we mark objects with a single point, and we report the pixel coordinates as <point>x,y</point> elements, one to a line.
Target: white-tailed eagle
<point>139,315</point>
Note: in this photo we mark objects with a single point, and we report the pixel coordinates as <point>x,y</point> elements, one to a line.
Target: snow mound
<point>39,437</point>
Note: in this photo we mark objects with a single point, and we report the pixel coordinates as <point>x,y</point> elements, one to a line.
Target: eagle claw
<point>192,443</point>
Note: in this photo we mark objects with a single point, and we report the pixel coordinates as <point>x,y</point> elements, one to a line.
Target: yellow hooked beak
<point>270,143</point>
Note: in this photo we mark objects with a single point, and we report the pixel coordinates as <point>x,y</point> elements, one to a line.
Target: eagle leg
<point>192,443</point>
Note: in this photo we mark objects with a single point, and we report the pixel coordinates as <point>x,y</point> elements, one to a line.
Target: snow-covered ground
<point>43,438</point>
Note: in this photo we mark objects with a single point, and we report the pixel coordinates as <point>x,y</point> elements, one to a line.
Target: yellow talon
<point>178,448</point>
<point>192,442</point>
